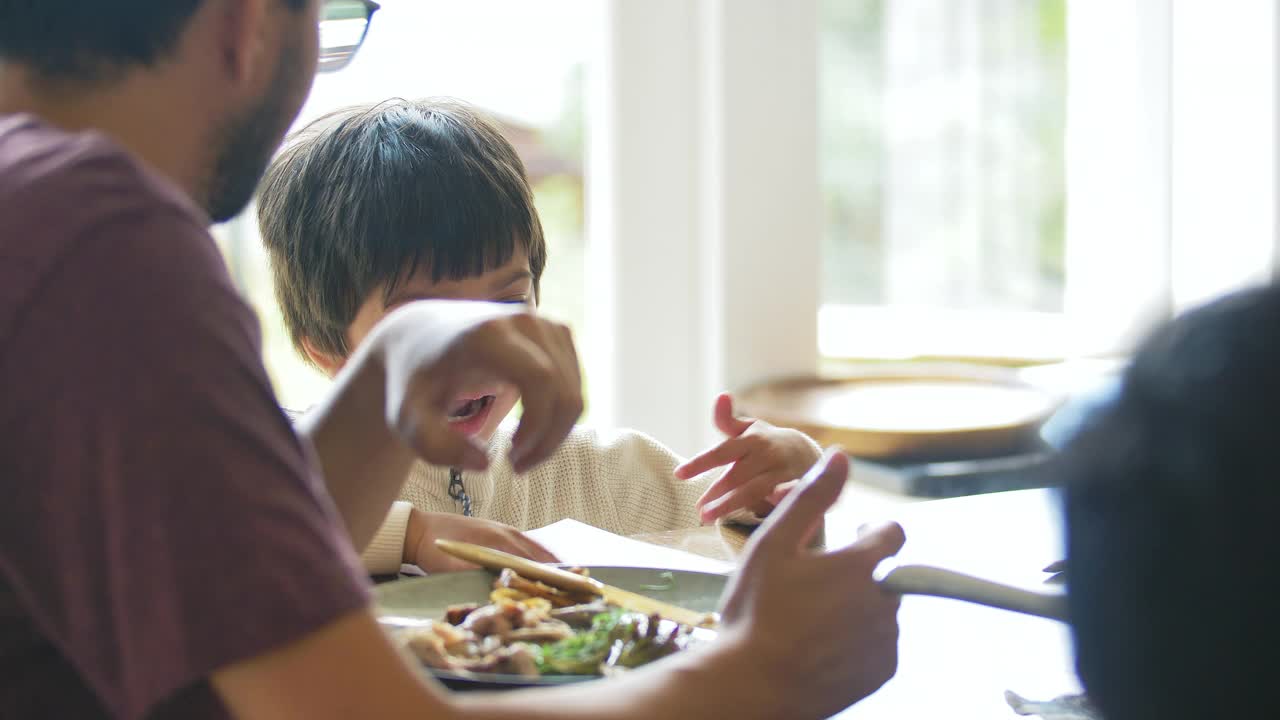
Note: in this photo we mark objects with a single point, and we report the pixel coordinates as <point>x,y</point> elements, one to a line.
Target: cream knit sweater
<point>620,481</point>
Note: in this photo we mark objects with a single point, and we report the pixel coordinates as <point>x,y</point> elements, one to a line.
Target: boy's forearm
<point>364,463</point>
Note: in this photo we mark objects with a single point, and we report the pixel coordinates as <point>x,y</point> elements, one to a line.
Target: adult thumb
<point>793,524</point>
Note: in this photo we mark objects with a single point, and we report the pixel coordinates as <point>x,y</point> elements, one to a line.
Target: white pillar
<point>1118,165</point>
<point>1223,147</point>
<point>764,225</point>
<point>703,208</point>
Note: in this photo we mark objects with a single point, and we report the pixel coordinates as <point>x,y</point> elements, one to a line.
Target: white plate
<point>401,603</point>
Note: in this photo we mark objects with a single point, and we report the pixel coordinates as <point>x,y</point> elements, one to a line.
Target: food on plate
<point>531,629</point>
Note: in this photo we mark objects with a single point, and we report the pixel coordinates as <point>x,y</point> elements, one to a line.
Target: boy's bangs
<point>451,242</point>
<point>438,197</point>
<point>366,197</point>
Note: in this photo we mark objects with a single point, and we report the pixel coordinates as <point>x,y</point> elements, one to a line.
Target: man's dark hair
<point>89,40</point>
<point>368,196</point>
<point>1173,514</point>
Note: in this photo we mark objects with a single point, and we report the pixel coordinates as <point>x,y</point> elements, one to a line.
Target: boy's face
<point>474,411</point>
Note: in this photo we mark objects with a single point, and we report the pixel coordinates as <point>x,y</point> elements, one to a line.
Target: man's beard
<point>245,143</point>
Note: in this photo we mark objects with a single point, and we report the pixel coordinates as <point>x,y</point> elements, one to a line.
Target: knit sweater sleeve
<point>620,481</point>
<point>636,473</point>
<point>385,552</point>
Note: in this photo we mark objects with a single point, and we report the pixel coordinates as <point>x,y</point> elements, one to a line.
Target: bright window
<point>942,165</point>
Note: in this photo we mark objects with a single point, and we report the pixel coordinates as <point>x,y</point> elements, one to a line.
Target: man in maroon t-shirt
<point>168,547</point>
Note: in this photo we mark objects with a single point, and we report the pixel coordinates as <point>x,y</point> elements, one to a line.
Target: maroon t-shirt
<point>158,517</point>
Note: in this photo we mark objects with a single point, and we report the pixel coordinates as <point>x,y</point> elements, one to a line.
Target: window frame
<point>1151,88</point>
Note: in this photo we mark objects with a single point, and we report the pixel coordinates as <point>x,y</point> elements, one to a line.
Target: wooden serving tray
<point>894,412</point>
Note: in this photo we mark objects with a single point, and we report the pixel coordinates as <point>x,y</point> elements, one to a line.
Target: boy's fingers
<point>744,470</point>
<point>789,527</point>
<point>780,491</point>
<point>517,543</point>
<point>726,452</point>
<point>535,551</point>
<point>447,563</point>
<point>751,495</point>
<point>775,497</point>
<point>725,420</point>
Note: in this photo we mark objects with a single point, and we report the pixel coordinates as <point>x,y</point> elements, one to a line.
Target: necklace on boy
<point>458,491</point>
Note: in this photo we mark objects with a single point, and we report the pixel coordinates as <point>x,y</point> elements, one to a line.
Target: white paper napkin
<point>580,544</point>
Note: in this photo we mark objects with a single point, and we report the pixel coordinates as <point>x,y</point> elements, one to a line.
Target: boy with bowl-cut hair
<point>374,207</point>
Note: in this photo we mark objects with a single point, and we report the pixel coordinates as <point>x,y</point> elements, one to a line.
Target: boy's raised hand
<point>766,461</point>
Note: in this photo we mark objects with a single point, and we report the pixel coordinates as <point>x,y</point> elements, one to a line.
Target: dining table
<point>956,660</point>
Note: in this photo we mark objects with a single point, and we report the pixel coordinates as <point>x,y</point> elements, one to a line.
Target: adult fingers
<point>552,402</point>
<point>557,341</point>
<point>881,540</point>
<point>789,527</point>
<point>568,402</point>
<point>570,352</point>
<point>744,470</point>
<point>726,421</point>
<point>543,426</point>
<point>874,544</point>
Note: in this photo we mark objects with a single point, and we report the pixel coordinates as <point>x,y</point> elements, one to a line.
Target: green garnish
<point>617,638</point>
<point>583,653</point>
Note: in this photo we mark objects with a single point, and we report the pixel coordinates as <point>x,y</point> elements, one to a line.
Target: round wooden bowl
<point>941,412</point>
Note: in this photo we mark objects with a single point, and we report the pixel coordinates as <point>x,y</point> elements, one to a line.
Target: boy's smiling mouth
<point>468,415</point>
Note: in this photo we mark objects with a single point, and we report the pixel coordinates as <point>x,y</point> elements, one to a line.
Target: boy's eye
<point>514,300</point>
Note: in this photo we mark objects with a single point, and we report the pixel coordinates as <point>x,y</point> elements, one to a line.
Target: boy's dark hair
<point>1173,501</point>
<point>87,40</point>
<point>369,195</point>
